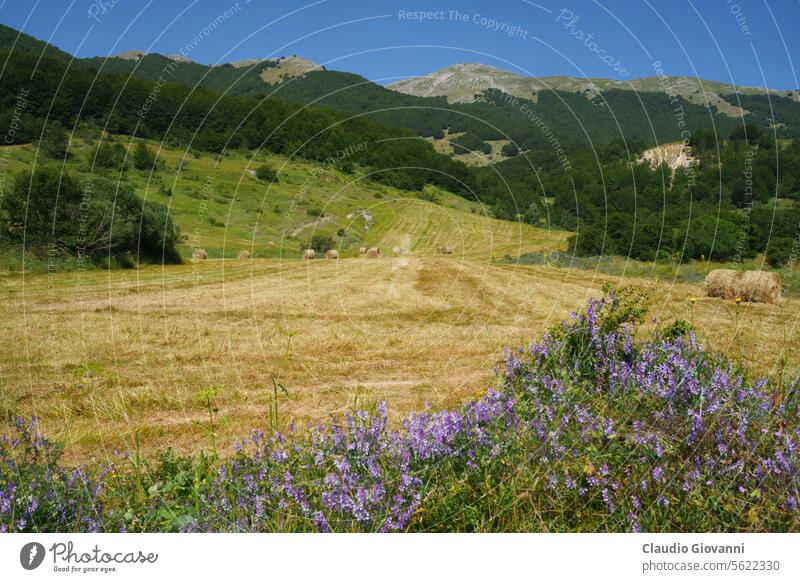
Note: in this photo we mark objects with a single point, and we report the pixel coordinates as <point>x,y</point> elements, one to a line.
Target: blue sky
<point>749,42</point>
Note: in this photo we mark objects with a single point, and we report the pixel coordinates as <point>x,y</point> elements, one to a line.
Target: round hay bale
<point>309,254</point>
<point>760,286</point>
<point>331,254</point>
<point>362,250</point>
<point>719,283</point>
<point>199,255</point>
<point>373,253</point>
<point>270,245</point>
<point>753,286</point>
<point>243,254</point>
<point>444,250</point>
<point>397,251</point>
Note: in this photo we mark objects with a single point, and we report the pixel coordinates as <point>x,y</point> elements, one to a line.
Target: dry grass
<point>98,356</point>
<point>755,286</point>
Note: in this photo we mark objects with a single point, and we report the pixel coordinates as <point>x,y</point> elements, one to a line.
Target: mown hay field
<point>100,356</point>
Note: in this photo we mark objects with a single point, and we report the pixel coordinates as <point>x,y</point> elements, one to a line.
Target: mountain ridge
<point>465,82</point>
<point>458,82</point>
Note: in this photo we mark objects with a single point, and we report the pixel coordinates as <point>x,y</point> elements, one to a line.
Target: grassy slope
<point>223,208</point>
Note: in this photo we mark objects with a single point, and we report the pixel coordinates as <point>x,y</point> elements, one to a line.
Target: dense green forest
<point>738,200</point>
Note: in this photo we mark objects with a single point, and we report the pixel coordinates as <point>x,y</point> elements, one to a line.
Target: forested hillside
<point>740,198</point>
<point>206,121</point>
<point>573,162</point>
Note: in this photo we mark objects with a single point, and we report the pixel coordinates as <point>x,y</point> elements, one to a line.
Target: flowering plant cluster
<point>659,435</point>
<point>36,493</point>
<point>586,430</point>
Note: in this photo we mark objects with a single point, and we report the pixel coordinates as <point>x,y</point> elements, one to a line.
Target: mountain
<point>470,111</point>
<point>466,82</point>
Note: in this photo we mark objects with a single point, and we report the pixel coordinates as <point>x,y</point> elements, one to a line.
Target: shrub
<point>345,166</point>
<point>779,252</point>
<point>55,142</point>
<point>95,219</point>
<point>429,196</point>
<point>109,156</point>
<point>266,174</point>
<point>321,243</point>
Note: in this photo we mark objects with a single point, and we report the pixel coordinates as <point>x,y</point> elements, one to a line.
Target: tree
<point>469,142</point>
<point>54,143</point>
<point>588,241</point>
<point>779,252</point>
<point>109,156</point>
<point>750,132</point>
<point>510,150</point>
<point>42,206</point>
<point>708,233</point>
<point>143,157</point>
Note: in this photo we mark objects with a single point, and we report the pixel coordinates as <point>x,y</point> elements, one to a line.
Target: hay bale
<point>760,286</point>
<point>753,286</point>
<point>373,253</point>
<point>720,283</point>
<point>199,255</point>
<point>397,251</point>
<point>243,254</point>
<point>309,254</point>
<point>444,250</point>
<point>270,245</point>
<point>362,250</point>
<point>331,254</point>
